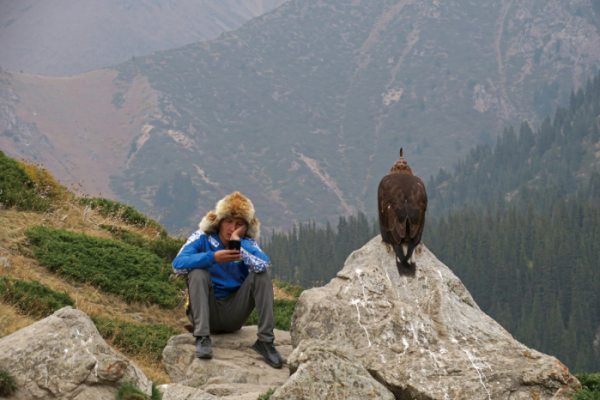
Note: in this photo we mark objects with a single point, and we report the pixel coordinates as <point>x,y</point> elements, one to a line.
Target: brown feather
<point>402,202</point>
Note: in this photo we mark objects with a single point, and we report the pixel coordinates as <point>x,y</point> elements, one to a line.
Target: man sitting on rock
<point>222,290</point>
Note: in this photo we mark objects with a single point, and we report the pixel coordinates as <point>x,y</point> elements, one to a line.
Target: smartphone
<point>235,245</point>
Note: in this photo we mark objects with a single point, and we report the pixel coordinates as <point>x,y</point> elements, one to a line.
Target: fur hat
<point>234,205</point>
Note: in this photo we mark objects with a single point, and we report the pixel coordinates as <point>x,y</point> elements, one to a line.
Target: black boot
<point>269,352</point>
<point>203,348</point>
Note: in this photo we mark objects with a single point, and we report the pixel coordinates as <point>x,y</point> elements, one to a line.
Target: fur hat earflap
<point>234,205</point>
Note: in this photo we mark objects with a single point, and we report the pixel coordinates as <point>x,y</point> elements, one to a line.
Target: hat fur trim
<point>234,205</point>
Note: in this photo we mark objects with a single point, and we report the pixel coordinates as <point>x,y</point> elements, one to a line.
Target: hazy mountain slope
<point>305,108</point>
<point>314,99</point>
<point>64,38</point>
<point>81,127</point>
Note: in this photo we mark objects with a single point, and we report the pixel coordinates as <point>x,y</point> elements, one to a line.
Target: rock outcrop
<point>423,337</point>
<point>235,369</point>
<point>322,371</point>
<point>63,356</point>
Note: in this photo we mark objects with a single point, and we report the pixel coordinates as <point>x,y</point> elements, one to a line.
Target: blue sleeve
<point>195,255</point>
<point>253,257</point>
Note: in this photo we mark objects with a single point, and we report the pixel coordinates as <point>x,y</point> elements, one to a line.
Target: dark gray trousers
<point>209,314</point>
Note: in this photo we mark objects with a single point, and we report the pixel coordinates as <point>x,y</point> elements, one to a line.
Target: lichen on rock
<point>423,337</point>
<point>64,356</point>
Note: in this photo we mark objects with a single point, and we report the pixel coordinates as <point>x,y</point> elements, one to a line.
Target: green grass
<point>129,271</point>
<point>32,297</point>
<point>283,310</point>
<point>288,288</point>
<point>128,391</point>
<point>119,210</point>
<point>163,246</point>
<point>590,387</point>
<point>7,383</point>
<point>267,395</point>
<point>17,189</point>
<point>136,338</point>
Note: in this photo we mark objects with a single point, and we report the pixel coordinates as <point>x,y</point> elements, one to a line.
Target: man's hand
<point>223,256</point>
<point>239,233</point>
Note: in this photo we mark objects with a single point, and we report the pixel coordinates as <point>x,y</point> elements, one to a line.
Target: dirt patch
<point>313,165</point>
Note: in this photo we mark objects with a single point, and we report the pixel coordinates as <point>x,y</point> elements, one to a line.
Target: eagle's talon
<point>388,248</point>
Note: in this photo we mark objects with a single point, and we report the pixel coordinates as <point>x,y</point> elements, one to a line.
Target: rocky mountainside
<point>64,38</point>
<point>304,108</point>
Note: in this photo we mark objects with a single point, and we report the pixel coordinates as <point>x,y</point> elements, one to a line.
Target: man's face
<point>229,225</point>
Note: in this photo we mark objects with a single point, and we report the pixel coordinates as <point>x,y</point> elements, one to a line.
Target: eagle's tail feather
<point>405,267</point>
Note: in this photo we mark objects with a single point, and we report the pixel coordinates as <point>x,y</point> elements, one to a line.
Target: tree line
<point>309,255</point>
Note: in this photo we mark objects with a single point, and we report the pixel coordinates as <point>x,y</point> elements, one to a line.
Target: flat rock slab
<point>325,372</point>
<point>423,337</point>
<point>63,356</point>
<point>235,369</point>
<point>176,391</point>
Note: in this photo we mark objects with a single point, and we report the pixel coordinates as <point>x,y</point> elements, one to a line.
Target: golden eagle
<point>402,202</point>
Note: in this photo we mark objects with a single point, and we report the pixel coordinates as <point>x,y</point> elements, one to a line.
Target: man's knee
<point>262,282</point>
<point>199,276</point>
<point>262,278</point>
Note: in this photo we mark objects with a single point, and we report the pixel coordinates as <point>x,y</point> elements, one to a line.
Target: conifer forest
<point>518,223</point>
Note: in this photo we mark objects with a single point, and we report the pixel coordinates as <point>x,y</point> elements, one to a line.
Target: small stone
<point>4,262</point>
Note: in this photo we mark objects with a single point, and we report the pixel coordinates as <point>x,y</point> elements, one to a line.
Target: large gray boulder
<point>235,369</point>
<point>322,371</point>
<point>423,337</point>
<point>64,357</point>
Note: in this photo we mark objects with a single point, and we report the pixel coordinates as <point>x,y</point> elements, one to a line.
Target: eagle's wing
<point>401,197</point>
<point>418,205</point>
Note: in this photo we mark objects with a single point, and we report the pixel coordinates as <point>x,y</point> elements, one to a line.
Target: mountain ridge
<point>54,38</point>
<point>305,107</point>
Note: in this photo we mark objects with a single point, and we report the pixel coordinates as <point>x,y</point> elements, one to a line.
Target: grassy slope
<point>92,301</point>
<point>14,245</point>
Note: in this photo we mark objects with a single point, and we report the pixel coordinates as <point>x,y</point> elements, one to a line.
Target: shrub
<point>7,383</point>
<point>163,246</point>
<point>127,391</point>
<point>283,310</point>
<point>33,297</point>
<point>17,189</point>
<point>129,271</point>
<point>135,338</point>
<point>156,394</point>
<point>44,182</point>
<point>590,387</point>
<point>267,395</point>
<point>119,210</point>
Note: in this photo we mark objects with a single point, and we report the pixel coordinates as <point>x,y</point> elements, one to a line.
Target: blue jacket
<point>199,252</point>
